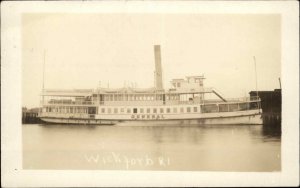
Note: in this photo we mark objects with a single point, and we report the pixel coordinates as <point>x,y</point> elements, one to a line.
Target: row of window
<point>120,110</point>
<point>135,97</point>
<point>178,84</point>
<point>67,109</point>
<point>148,110</point>
<point>209,108</point>
<point>204,109</point>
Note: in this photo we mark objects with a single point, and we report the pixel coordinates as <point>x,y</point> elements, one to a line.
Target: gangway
<point>219,95</point>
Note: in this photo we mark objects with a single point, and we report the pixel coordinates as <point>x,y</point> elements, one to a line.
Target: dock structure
<point>30,116</point>
<point>271,106</point>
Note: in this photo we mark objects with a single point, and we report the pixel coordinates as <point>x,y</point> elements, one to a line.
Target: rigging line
<point>44,70</point>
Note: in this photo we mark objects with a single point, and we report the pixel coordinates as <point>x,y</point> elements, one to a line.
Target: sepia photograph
<point>131,91</point>
<point>149,91</point>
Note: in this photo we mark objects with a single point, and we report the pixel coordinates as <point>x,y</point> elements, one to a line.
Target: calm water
<point>193,148</point>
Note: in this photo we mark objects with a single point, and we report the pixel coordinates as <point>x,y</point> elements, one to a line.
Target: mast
<point>255,76</point>
<point>279,82</point>
<point>44,70</point>
<point>43,87</point>
<point>257,97</point>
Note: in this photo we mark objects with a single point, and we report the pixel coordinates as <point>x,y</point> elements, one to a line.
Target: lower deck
<point>253,119</point>
<point>238,117</point>
<point>197,113</point>
<point>69,111</point>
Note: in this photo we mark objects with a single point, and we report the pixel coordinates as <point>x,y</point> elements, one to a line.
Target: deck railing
<point>77,112</point>
<point>63,115</point>
<point>168,102</point>
<point>231,100</point>
<point>69,102</point>
<point>230,107</point>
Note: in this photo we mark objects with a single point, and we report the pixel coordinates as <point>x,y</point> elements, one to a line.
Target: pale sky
<point>83,49</point>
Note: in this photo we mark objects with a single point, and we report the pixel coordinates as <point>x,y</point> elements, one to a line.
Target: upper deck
<point>130,97</point>
<point>188,90</point>
<point>122,97</point>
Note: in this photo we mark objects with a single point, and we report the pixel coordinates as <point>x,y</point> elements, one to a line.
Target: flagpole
<point>255,76</point>
<point>257,97</point>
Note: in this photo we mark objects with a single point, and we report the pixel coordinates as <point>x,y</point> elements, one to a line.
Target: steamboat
<point>184,103</point>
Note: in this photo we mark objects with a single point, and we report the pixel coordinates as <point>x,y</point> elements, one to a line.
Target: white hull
<point>229,120</point>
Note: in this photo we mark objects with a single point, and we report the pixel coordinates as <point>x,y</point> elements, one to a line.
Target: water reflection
<point>201,148</point>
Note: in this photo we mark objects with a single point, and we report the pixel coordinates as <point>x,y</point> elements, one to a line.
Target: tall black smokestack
<point>158,69</point>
